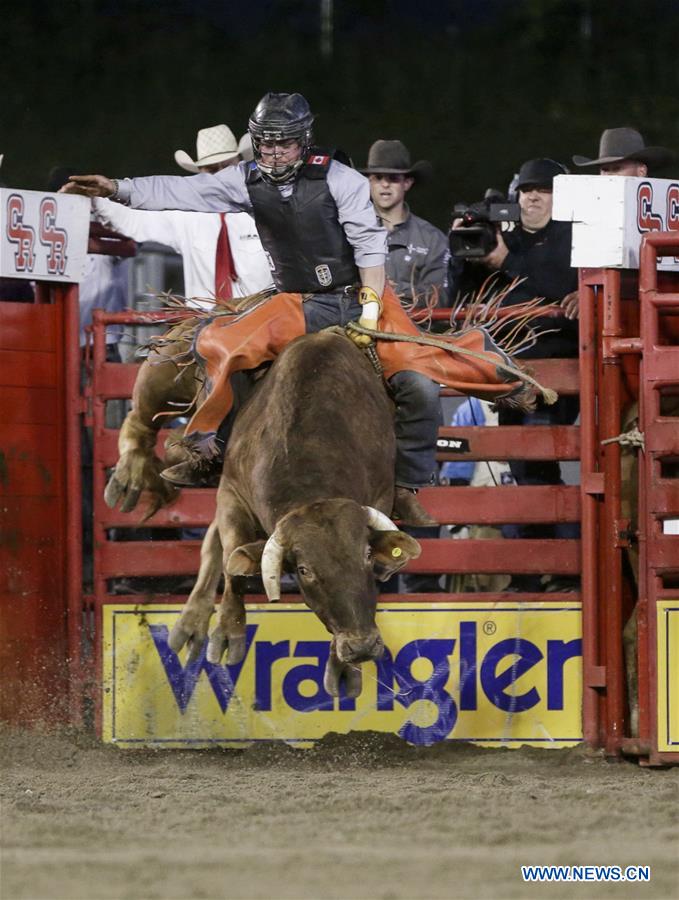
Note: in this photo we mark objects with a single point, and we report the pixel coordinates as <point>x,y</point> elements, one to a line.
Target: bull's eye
<point>368,554</point>
<point>303,571</point>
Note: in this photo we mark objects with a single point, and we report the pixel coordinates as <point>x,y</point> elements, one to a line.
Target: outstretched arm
<point>225,191</point>
<point>89,186</point>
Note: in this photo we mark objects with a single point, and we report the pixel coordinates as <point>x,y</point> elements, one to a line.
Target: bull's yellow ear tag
<point>396,552</point>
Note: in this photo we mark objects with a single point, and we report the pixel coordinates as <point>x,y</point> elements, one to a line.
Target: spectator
<point>623,151</point>
<point>221,252</point>
<point>473,412</point>
<point>538,251</point>
<point>416,264</point>
<point>417,259</point>
<point>478,413</point>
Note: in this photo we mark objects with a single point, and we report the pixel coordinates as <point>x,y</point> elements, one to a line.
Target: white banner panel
<point>43,236</point>
<point>610,215</point>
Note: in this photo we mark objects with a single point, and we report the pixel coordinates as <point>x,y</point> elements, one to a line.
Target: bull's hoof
<point>236,651</point>
<point>181,637</point>
<point>216,646</point>
<point>113,492</point>
<point>218,643</point>
<point>135,473</point>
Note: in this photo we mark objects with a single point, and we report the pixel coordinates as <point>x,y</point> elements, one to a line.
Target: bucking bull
<point>306,486</point>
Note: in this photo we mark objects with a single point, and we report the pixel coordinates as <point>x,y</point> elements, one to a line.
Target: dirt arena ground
<point>363,816</point>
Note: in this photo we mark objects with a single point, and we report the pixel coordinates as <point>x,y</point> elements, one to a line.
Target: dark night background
<point>476,86</point>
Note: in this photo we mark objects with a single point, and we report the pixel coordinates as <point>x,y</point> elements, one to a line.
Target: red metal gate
<point>40,508</point>
<point>658,492</point>
<point>629,352</point>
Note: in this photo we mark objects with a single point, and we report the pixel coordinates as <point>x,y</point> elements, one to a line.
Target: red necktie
<point>225,271</point>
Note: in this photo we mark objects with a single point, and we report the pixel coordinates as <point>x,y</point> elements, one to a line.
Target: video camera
<point>477,235</point>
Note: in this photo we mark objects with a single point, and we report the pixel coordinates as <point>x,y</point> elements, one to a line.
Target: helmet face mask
<point>280,118</point>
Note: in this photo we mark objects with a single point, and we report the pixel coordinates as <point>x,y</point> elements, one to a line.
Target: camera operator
<point>538,250</point>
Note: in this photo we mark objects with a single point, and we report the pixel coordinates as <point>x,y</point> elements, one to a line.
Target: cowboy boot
<point>200,461</point>
<point>408,509</point>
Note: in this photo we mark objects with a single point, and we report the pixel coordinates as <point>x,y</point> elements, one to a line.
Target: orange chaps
<point>227,346</point>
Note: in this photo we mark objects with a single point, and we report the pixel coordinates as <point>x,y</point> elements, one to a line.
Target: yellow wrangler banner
<point>668,677</point>
<point>495,674</point>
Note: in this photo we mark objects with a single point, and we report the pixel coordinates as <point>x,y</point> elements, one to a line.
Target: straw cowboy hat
<point>393,158</point>
<point>213,145</point>
<point>620,144</point>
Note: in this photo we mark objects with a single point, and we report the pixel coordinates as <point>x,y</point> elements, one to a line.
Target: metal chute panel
<point>34,533</point>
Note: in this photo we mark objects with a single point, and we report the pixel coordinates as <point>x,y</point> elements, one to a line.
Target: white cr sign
<point>610,215</point>
<point>43,237</point>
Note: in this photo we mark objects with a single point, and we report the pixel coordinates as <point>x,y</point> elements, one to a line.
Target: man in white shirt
<point>204,243</point>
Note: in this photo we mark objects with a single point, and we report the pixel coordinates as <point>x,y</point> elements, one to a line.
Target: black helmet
<point>281,117</point>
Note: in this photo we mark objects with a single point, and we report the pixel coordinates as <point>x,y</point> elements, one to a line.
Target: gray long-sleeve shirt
<point>226,191</point>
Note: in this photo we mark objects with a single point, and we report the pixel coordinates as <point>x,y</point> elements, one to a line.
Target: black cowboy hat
<point>393,158</point>
<point>619,144</point>
<point>540,172</point>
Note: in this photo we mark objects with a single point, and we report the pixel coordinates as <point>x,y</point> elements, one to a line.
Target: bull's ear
<point>391,551</point>
<point>246,559</point>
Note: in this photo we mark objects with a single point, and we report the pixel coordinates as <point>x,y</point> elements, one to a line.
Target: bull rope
<point>549,395</point>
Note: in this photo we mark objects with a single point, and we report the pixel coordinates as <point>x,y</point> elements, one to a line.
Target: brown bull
<point>307,482</point>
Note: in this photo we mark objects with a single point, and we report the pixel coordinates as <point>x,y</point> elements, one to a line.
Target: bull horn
<point>272,563</point>
<point>378,520</point>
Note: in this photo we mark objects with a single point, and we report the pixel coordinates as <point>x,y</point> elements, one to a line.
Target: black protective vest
<point>301,233</point>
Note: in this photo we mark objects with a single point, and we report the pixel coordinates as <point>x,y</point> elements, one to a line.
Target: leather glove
<point>370,313</point>
<point>361,340</point>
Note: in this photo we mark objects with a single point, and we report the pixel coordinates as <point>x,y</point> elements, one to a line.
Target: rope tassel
<point>548,395</point>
